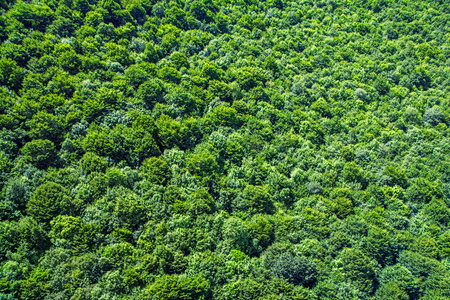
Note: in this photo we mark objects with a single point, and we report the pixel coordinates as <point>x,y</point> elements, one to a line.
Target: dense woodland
<point>214,149</point>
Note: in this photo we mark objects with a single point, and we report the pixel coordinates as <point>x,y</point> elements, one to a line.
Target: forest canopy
<point>211,149</point>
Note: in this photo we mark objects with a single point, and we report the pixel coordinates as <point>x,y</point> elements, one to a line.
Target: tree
<point>426,246</point>
<point>115,177</point>
<point>378,245</point>
<point>135,76</point>
<point>249,78</point>
<point>181,101</point>
<point>271,64</point>
<point>49,200</point>
<point>176,16</point>
<point>397,278</point>
<point>169,74</point>
<point>180,60</point>
<point>71,232</point>
<point>168,131</point>
<point>32,15</point>
<point>201,202</point>
<point>16,193</point>
<point>422,191</point>
<point>90,162</point>
<point>151,92</point>
<point>245,289</point>
<point>381,85</point>
<point>157,170</point>
<point>36,285</point>
<point>396,175</point>
<point>145,145</point>
<point>150,53</point>
<point>98,142</point>
<point>46,126</point>
<point>235,236</point>
<point>294,269</point>
<point>11,74</point>
<point>444,244</point>
<point>221,90</point>
<point>93,108</point>
<point>82,6</point>
<point>258,199</point>
<point>340,206</point>
<point>202,164</point>
<point>261,231</point>
<point>145,123</point>
<point>42,153</point>
<point>119,254</point>
<point>70,61</point>
<point>419,265</point>
<point>391,291</point>
<point>138,13</point>
<point>26,235</point>
<point>438,211</point>
<point>173,287</point>
<point>225,116</point>
<point>356,267</point>
<point>352,172</point>
<point>433,116</point>
<point>211,72</point>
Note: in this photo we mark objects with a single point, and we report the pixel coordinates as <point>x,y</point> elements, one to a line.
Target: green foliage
<point>258,199</point>
<point>91,162</point>
<point>151,92</point>
<point>70,232</point>
<point>118,254</point>
<point>169,74</point>
<point>225,116</point>
<point>426,246</point>
<point>341,207</point>
<point>177,287</point>
<point>32,15</point>
<point>261,231</point>
<point>49,200</point>
<point>202,164</point>
<point>45,126</point>
<point>444,244</point>
<point>355,266</point>
<point>157,170</point>
<point>397,279</point>
<point>42,153</point>
<point>98,142</point>
<point>201,202</point>
<point>396,175</point>
<point>168,131</point>
<point>391,291</point>
<point>11,74</point>
<point>242,289</point>
<point>26,235</point>
<point>135,76</point>
<point>422,191</point>
<point>295,270</point>
<point>224,150</point>
<point>352,172</point>
<point>36,285</point>
<point>378,245</point>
